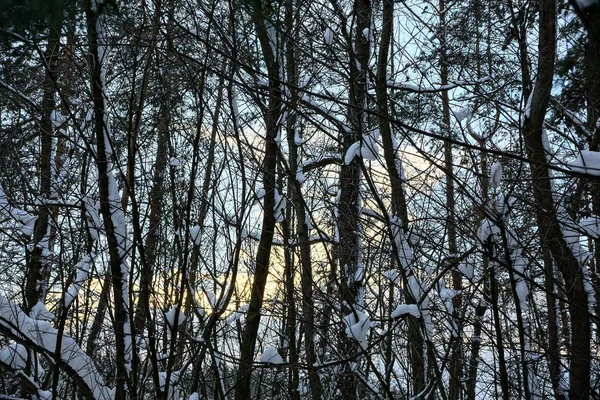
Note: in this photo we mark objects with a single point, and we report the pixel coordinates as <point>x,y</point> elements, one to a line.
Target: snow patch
<point>352,151</point>
<point>40,312</point>
<point>468,270</point>
<point>588,162</point>
<point>328,36</point>
<point>83,268</point>
<point>170,316</point>
<point>404,309</point>
<point>271,356</point>
<point>15,356</point>
<point>357,327</point>
<point>392,275</point>
<point>279,209</point>
<point>496,175</point>
<point>196,234</point>
<point>57,119</point>
<point>591,226</point>
<point>463,113</point>
<point>44,336</point>
<point>369,148</point>
<point>239,314</point>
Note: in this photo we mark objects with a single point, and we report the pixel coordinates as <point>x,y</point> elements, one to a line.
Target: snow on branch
<point>409,87</point>
<point>42,337</point>
<point>23,217</point>
<point>588,162</point>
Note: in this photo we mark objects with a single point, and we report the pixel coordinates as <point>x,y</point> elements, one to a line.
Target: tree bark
<point>551,235</point>
<point>456,363</point>
<point>243,387</point>
<point>38,268</point>
<point>107,206</point>
<point>306,279</point>
<point>398,203</point>
<point>348,249</point>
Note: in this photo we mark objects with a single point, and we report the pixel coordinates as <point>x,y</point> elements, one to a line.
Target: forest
<point>297,199</point>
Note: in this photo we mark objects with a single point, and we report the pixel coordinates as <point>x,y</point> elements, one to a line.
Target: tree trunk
<point>551,235</point>
<point>38,268</point>
<point>348,249</point>
<point>110,209</point>
<point>306,279</point>
<point>243,387</point>
<point>398,203</point>
<point>456,364</point>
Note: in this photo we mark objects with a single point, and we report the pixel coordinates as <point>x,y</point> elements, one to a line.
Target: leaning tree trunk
<point>551,235</point>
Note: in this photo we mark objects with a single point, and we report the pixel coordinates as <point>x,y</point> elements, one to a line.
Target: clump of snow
<point>42,335</point>
<point>527,111</point>
<point>83,268</point>
<point>359,274</point>
<point>196,234</point>
<point>45,394</point>
<point>271,356</point>
<point>496,175</point>
<point>40,312</point>
<point>174,162</point>
<point>414,286</point>
<point>591,226</point>
<point>260,193</point>
<point>357,327</point>
<point>464,113</point>
<point>448,293</point>
<point>27,220</point>
<point>392,275</point>
<point>93,221</point>
<point>298,141</point>
<point>170,316</point>
<point>369,148</point>
<point>572,238</point>
<point>28,228</point>
<point>308,221</point>
<point>521,288</point>
<point>14,355</point>
<point>328,36</point>
<point>467,269</point>
<point>404,309</point>
<point>279,206</point>
<point>194,396</point>
<point>486,229</point>
<point>588,162</point>
<point>405,254</point>
<point>352,151</point>
<point>365,33</point>
<point>57,118</point>
<point>174,392</point>
<point>212,299</point>
<point>241,312</point>
<point>300,175</point>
